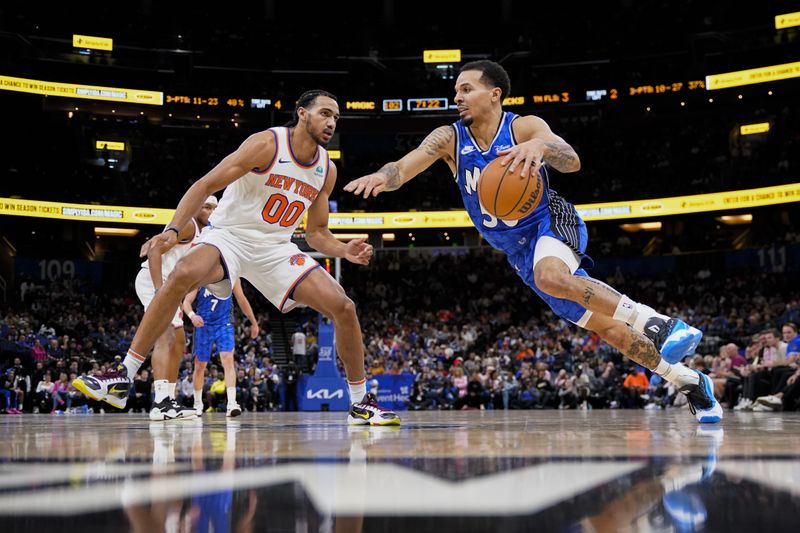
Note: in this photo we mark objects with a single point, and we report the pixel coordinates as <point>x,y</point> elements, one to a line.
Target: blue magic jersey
<point>504,235</point>
<point>553,217</point>
<point>215,311</point>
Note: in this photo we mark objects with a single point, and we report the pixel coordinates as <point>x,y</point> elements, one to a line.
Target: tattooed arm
<point>536,144</point>
<point>439,144</point>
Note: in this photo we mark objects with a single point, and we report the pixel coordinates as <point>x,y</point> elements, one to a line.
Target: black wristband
<point>170,228</point>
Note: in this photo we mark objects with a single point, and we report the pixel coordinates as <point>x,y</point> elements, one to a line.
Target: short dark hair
<point>791,325</point>
<point>306,100</point>
<point>492,74</point>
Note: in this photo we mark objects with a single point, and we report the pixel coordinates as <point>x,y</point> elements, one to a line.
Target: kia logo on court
<point>324,394</point>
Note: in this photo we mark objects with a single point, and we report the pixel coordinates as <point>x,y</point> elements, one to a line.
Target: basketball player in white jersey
<point>273,179</point>
<point>161,261</point>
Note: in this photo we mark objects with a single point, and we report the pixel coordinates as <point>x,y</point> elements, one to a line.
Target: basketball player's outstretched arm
<point>320,238</point>
<point>439,144</point>
<point>537,143</point>
<point>256,150</point>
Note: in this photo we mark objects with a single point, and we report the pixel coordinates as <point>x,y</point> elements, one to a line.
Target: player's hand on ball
<point>358,251</point>
<point>528,154</point>
<point>162,241</point>
<point>373,184</point>
<point>197,321</point>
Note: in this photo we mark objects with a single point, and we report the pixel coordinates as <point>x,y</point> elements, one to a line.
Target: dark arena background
<point>685,117</point>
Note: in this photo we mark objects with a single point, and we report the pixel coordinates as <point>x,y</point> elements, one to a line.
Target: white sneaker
<point>233,410</point>
<point>169,409</point>
<point>770,401</point>
<point>744,405</point>
<point>761,408</point>
<point>368,412</point>
<point>198,407</point>
<point>111,387</point>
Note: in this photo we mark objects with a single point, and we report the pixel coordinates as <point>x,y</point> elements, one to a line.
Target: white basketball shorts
<point>146,291</point>
<point>275,269</point>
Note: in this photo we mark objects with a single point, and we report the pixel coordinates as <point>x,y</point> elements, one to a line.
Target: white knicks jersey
<point>174,254</point>
<point>268,203</point>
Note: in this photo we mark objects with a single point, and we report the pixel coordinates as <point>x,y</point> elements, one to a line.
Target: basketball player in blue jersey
<point>271,181</point>
<point>213,323</point>
<point>548,247</point>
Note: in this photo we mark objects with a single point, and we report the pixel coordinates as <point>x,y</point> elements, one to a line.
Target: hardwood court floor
<point>439,471</point>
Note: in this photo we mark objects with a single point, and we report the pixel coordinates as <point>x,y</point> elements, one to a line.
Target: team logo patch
<point>318,170</point>
<point>297,259</point>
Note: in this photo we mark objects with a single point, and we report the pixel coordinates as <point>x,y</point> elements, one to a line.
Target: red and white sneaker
<point>368,412</point>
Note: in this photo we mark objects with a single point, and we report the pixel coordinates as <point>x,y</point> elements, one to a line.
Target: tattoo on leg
<point>642,351</point>
<point>587,295</point>
<point>608,288</point>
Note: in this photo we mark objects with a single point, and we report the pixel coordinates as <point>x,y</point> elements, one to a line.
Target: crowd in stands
<point>62,329</point>
<point>476,334</point>
<point>474,337</point>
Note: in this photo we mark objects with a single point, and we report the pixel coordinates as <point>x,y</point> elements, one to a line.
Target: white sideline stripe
<point>781,475</point>
<point>345,489</point>
<point>25,474</point>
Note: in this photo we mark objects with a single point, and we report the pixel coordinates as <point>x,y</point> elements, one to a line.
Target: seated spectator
<point>38,352</point>
<point>141,398</point>
<point>475,396</point>
<point>217,394</point>
<point>242,388</point>
<point>459,381</point>
<point>62,400</point>
<point>44,394</point>
<point>635,385</point>
<point>786,399</point>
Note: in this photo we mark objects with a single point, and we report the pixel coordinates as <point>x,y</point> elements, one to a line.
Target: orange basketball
<point>507,195</point>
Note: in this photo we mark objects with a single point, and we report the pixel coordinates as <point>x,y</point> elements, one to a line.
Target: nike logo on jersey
<point>284,160</point>
<point>467,149</point>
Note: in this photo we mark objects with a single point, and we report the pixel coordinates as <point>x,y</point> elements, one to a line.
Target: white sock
<point>132,362</point>
<point>172,389</point>
<point>357,390</point>
<point>635,314</point>
<point>231,395</point>
<point>679,374</point>
<point>162,388</point>
<point>645,313</point>
<point>626,310</point>
<point>198,397</point>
